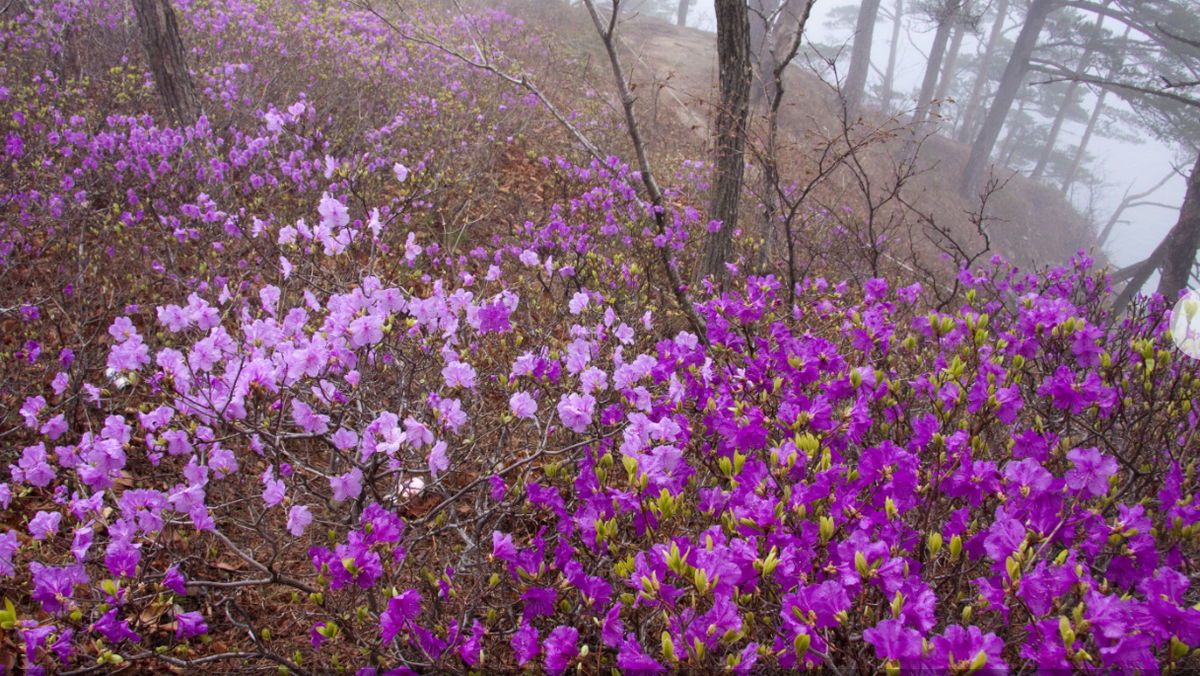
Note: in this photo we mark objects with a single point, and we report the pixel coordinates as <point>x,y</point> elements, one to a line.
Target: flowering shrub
<point>337,447</point>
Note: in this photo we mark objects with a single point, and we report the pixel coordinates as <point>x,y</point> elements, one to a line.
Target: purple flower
<point>113,630</point>
<point>34,466</point>
<point>273,489</point>
<point>576,411</point>
<point>305,419</point>
<point>612,628</point>
<point>958,647</point>
<point>523,405</point>
<point>401,610</point>
<point>539,601</point>
<point>298,519</point>
<point>1004,538</point>
<point>34,638</point>
<point>44,525</point>
<point>317,636</point>
<point>503,547</point>
<point>632,660</point>
<point>1090,470</point>
<point>348,485</point>
<point>471,648</point>
<point>579,303</point>
<point>894,641</point>
<point>52,586</point>
<point>188,625</point>
<point>459,373</point>
<point>494,317</point>
<point>174,581</point>
<point>497,485</point>
<point>9,544</point>
<point>525,643</point>
<point>121,557</point>
<point>1061,386</point>
<point>438,462</point>
<point>561,649</point>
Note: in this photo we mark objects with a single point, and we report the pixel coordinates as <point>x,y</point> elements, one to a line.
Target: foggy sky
<point>1119,163</point>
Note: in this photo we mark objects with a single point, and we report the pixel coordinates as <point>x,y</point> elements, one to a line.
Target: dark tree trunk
<point>967,127</point>
<point>681,15</point>
<point>933,67</point>
<point>1182,242</point>
<point>733,57</point>
<point>889,76</point>
<point>1006,93</point>
<point>950,62</point>
<point>860,56</point>
<point>168,62</point>
<point>1068,100</point>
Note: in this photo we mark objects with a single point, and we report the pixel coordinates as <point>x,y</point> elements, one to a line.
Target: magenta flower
<point>174,581</point>
<point>401,610</point>
<point>958,647</point>
<point>525,643</point>
<point>1090,470</point>
<point>894,641</point>
<point>188,625</point>
<point>497,485</point>
<point>113,630</point>
<point>561,649</point>
<point>539,601</point>
<point>494,317</point>
<point>121,557</point>
<point>503,547</point>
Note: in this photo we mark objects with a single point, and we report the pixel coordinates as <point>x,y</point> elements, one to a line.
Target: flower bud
<point>800,645</point>
<point>935,544</point>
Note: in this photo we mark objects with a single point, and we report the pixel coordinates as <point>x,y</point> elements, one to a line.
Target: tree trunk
<point>1083,143</point>
<point>933,67</point>
<point>789,31</point>
<point>681,15</point>
<point>762,52</point>
<point>1085,62</point>
<point>1097,110</point>
<point>889,77</point>
<point>1182,242</point>
<point>13,9</point>
<point>168,64</point>
<point>733,57</point>
<point>1010,140</point>
<point>950,61</point>
<point>860,57</point>
<point>1006,93</point>
<point>967,127</point>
